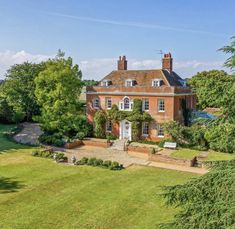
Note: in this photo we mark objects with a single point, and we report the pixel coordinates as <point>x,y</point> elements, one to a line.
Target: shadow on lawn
<point>8,185</point>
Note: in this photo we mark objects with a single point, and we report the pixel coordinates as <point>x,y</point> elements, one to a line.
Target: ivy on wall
<point>136,117</point>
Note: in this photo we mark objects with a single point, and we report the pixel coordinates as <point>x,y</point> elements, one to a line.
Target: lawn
<point>38,193</point>
<point>185,153</point>
<point>216,156</point>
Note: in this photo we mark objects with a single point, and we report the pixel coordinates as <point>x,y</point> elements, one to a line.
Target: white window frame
<point>144,104</point>
<point>160,129</point>
<point>96,103</point>
<point>156,82</point>
<point>145,129</point>
<point>161,105</point>
<point>106,83</point>
<point>109,126</point>
<point>107,101</point>
<point>122,104</point>
<point>129,83</point>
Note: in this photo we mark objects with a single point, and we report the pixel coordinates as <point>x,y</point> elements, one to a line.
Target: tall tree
<point>207,201</point>
<point>18,89</point>
<point>230,49</point>
<point>57,91</point>
<point>211,87</point>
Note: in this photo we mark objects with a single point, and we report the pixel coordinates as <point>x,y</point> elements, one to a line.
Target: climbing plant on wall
<point>136,117</point>
<point>100,121</point>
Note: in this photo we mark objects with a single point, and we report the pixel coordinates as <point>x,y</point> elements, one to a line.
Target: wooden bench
<point>170,145</point>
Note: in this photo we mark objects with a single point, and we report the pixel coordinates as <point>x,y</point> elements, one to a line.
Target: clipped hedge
<point>112,165</point>
<point>58,157</point>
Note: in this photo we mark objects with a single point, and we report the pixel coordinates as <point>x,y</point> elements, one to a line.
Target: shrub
<point>52,139</point>
<point>111,137</point>
<point>73,159</point>
<point>60,157</point>
<point>98,162</point>
<point>35,153</point>
<point>84,161</point>
<point>114,166</point>
<point>107,164</point>
<point>91,161</point>
<point>81,135</point>
<point>100,120</point>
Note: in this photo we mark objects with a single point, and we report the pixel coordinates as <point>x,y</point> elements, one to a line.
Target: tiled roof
<point>143,77</point>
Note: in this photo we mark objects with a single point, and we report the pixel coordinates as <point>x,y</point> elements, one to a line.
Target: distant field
<point>38,193</point>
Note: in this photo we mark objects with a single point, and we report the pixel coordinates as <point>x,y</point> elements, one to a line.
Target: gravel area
<point>105,154</point>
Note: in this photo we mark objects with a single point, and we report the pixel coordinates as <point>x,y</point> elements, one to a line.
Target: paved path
<point>29,134</point>
<point>105,154</point>
<point>126,159</point>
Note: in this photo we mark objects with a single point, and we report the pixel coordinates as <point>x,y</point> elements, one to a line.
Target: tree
<point>230,62</point>
<point>205,202</point>
<point>57,92</point>
<point>18,89</point>
<point>211,87</point>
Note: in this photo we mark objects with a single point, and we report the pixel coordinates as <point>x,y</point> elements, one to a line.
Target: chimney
<point>167,62</point>
<point>122,63</point>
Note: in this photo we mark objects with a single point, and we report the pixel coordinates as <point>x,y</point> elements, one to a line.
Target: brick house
<point>161,92</point>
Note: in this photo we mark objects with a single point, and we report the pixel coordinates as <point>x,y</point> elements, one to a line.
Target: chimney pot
<point>167,62</point>
<point>122,63</point>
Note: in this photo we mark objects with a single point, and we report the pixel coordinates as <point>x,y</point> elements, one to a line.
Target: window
<point>145,104</point>
<point>106,83</point>
<point>160,131</point>
<point>145,128</point>
<point>96,103</point>
<point>126,104</point>
<point>130,83</point>
<point>156,83</point>
<point>109,126</point>
<point>161,105</point>
<point>108,103</point>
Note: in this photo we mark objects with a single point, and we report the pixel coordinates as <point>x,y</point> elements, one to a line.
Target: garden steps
<point>118,144</point>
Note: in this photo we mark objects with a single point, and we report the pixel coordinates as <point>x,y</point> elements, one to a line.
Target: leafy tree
<point>57,92</point>
<point>230,62</point>
<point>211,87</point>
<point>205,202</point>
<point>90,82</point>
<point>18,89</point>
<point>221,136</point>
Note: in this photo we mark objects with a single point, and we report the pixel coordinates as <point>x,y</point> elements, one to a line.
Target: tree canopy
<point>205,202</point>
<point>211,87</point>
<point>17,92</point>
<point>57,92</point>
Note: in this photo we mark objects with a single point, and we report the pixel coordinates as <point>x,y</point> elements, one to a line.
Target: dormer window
<point>106,83</point>
<point>130,83</point>
<point>156,83</point>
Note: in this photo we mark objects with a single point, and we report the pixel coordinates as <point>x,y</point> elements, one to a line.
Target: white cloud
<point>9,58</point>
<point>99,67</point>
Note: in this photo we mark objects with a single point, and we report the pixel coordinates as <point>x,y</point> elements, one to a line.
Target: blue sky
<point>96,32</point>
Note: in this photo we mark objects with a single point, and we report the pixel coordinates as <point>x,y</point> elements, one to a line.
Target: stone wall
<point>88,142</point>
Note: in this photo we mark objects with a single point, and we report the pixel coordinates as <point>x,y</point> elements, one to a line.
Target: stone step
<point>118,145</point>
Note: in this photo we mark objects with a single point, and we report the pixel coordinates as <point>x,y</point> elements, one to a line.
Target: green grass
<point>216,156</point>
<point>38,193</point>
<point>185,153</point>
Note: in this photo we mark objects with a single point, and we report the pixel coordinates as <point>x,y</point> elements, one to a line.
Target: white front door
<point>125,130</point>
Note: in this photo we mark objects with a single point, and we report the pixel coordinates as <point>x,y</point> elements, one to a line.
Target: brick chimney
<point>167,62</point>
<point>122,63</point>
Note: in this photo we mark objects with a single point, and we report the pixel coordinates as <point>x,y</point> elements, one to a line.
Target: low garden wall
<point>88,142</point>
<point>172,160</point>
